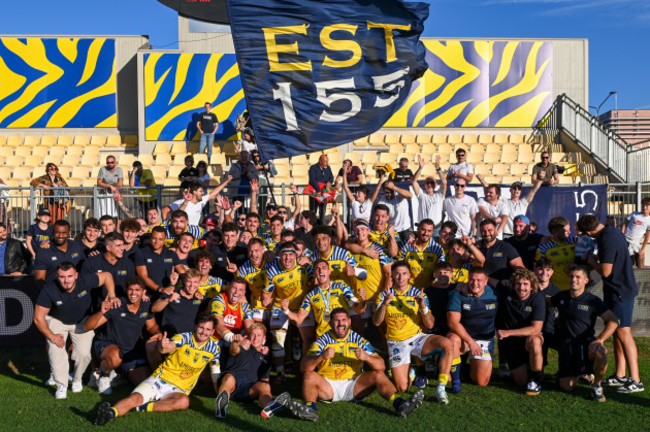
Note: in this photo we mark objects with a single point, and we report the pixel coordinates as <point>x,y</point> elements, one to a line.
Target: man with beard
<point>183,248</point>
<point>518,205</point>
<point>169,387</point>
<point>500,257</point>
<point>462,209</point>
<point>520,319</point>
<point>492,207</point>
<point>380,232</point>
<point>463,255</point>
<point>422,254</point>
<point>229,254</point>
<point>341,262</point>
<point>232,311</point>
<point>60,250</point>
<point>254,272</point>
<point>111,261</point>
<point>524,242</point>
<point>177,226</point>
<point>332,371</point>
<point>397,201</point>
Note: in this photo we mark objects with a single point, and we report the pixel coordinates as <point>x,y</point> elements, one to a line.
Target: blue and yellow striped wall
<point>57,83</point>
<point>480,84</point>
<point>177,86</point>
<point>468,84</point>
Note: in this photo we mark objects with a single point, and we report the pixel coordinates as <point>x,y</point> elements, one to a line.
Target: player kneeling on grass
<point>405,309</point>
<point>246,375</point>
<point>470,317</point>
<point>169,386</point>
<point>332,371</point>
<point>580,353</point>
<point>520,319</point>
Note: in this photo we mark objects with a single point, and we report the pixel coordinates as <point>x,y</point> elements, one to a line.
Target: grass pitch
<point>26,404</point>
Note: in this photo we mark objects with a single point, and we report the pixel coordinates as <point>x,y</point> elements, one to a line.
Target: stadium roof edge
<point>70,36</point>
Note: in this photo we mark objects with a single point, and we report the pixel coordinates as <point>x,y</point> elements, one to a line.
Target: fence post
<point>158,200</point>
<point>32,203</point>
<point>638,195</point>
<point>95,201</point>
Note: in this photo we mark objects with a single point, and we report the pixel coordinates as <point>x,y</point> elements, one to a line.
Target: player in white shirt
<point>430,202</point>
<point>194,200</point>
<point>462,210</point>
<point>396,199</point>
<point>637,232</point>
<point>461,169</point>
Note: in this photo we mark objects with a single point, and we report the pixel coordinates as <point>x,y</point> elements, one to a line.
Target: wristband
<point>228,337</point>
<point>425,310</point>
<point>286,311</point>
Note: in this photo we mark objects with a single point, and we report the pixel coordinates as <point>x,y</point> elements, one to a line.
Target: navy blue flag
<point>318,74</point>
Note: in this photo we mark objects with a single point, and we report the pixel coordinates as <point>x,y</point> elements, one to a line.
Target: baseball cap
<point>272,206</point>
<point>517,183</point>
<point>361,223</point>
<point>522,218</point>
<point>43,212</point>
<point>212,220</point>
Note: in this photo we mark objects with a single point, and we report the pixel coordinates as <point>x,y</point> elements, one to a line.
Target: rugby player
<point>422,254</point>
<point>254,272</point>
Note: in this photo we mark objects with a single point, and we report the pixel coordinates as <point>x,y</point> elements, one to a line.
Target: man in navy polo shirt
<point>112,261</point>
<point>118,346</point>
<point>619,291</point>
<point>60,250</point>
<point>471,318</point>
<point>580,352</point>
<point>229,255</point>
<point>154,264</point>
<point>500,257</point>
<point>62,307</point>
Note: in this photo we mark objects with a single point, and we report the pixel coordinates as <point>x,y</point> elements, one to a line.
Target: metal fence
<point>19,206</point>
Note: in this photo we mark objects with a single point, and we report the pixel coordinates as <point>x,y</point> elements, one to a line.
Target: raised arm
<point>219,188</point>
<point>533,191</point>
<point>416,176</point>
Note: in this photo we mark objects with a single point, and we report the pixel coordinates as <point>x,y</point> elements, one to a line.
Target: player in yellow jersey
<point>560,249</point>
<point>462,254</point>
<point>323,299</point>
<point>332,371</point>
<point>377,264</point>
<point>209,285</point>
<point>254,272</point>
<point>272,239</point>
<point>169,386</point>
<point>287,280</point>
<point>380,232</point>
<point>422,254</point>
<point>405,309</point>
<point>344,266</point>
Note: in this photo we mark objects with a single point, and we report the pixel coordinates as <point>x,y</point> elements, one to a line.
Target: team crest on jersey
<point>280,279</point>
<point>467,306</point>
<point>196,358</point>
<point>82,293</point>
<point>490,306</point>
<point>410,302</point>
<point>149,260</point>
<point>528,308</point>
<point>316,300</point>
<point>54,258</point>
<point>429,258</point>
<point>75,255</point>
<point>206,358</point>
<point>123,314</point>
<point>144,314</point>
<point>291,276</point>
<point>187,351</point>
<point>121,272</point>
<point>334,294</point>
<point>498,254</point>
<point>168,260</point>
<point>554,253</point>
<point>59,302</point>
<point>336,266</point>
<point>584,308</point>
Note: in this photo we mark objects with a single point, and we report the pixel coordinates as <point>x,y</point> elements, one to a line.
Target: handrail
<point>604,145</point>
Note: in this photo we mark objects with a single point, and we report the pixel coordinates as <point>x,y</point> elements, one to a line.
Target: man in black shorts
<point>619,291</point>
<point>580,353</point>
<point>520,319</point>
<point>246,375</point>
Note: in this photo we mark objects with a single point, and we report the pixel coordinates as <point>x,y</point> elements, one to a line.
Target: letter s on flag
<point>320,74</point>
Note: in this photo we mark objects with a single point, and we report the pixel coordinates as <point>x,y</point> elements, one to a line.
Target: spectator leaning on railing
<point>54,188</point>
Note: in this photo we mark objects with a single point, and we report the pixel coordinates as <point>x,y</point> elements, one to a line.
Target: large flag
<point>318,74</point>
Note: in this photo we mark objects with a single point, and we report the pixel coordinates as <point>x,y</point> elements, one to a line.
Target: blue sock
<point>312,405</point>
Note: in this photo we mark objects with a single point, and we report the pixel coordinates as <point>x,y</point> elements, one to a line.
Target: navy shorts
<point>573,359</point>
<point>623,311</point>
<point>242,390</point>
<point>515,351</point>
<point>130,360</point>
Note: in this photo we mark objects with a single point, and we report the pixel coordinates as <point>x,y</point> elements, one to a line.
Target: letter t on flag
<point>318,74</point>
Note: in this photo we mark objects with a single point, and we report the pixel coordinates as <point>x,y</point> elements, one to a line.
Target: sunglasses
<point>282,212</point>
<point>460,185</point>
<point>242,219</point>
<point>546,157</point>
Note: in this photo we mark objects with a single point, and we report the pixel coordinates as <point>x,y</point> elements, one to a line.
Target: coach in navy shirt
<point>619,291</point>
<point>61,308</point>
<point>61,250</point>
<point>320,178</point>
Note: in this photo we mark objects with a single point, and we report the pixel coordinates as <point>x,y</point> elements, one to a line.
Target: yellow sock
<point>392,398</point>
<point>455,361</point>
<point>442,379</point>
<point>150,406</point>
<point>115,411</point>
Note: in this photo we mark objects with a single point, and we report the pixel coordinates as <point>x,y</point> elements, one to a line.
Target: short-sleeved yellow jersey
<point>212,286</point>
<point>290,284</point>
<point>374,268</point>
<point>256,280</point>
<point>338,259</point>
<point>345,364</point>
<point>317,300</point>
<point>184,365</point>
<point>563,256</point>
<point>402,314</point>
<point>422,261</point>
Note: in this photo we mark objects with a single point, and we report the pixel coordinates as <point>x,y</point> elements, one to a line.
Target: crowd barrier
<point>18,297</point>
<point>19,206</point>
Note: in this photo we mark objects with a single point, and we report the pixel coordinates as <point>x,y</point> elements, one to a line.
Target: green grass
<point>26,404</point>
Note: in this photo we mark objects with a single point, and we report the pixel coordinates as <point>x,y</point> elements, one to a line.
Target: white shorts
<point>280,321</point>
<point>153,389</point>
<point>633,247</point>
<point>488,349</point>
<point>262,315</point>
<point>367,314</point>
<point>343,390</point>
<point>400,352</point>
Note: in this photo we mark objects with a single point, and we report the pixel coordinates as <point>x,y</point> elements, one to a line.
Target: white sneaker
<point>77,387</point>
<point>94,377</point>
<point>61,392</point>
<point>50,381</point>
<point>116,379</point>
<point>104,385</point>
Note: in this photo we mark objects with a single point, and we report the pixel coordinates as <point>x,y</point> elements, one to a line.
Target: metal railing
<point>19,206</point>
<point>590,134</point>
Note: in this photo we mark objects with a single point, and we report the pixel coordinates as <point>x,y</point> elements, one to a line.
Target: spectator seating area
<point>500,158</point>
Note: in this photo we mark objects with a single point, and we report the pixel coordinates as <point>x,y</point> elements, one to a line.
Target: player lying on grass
<point>332,371</point>
<point>169,387</point>
<point>246,375</point>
